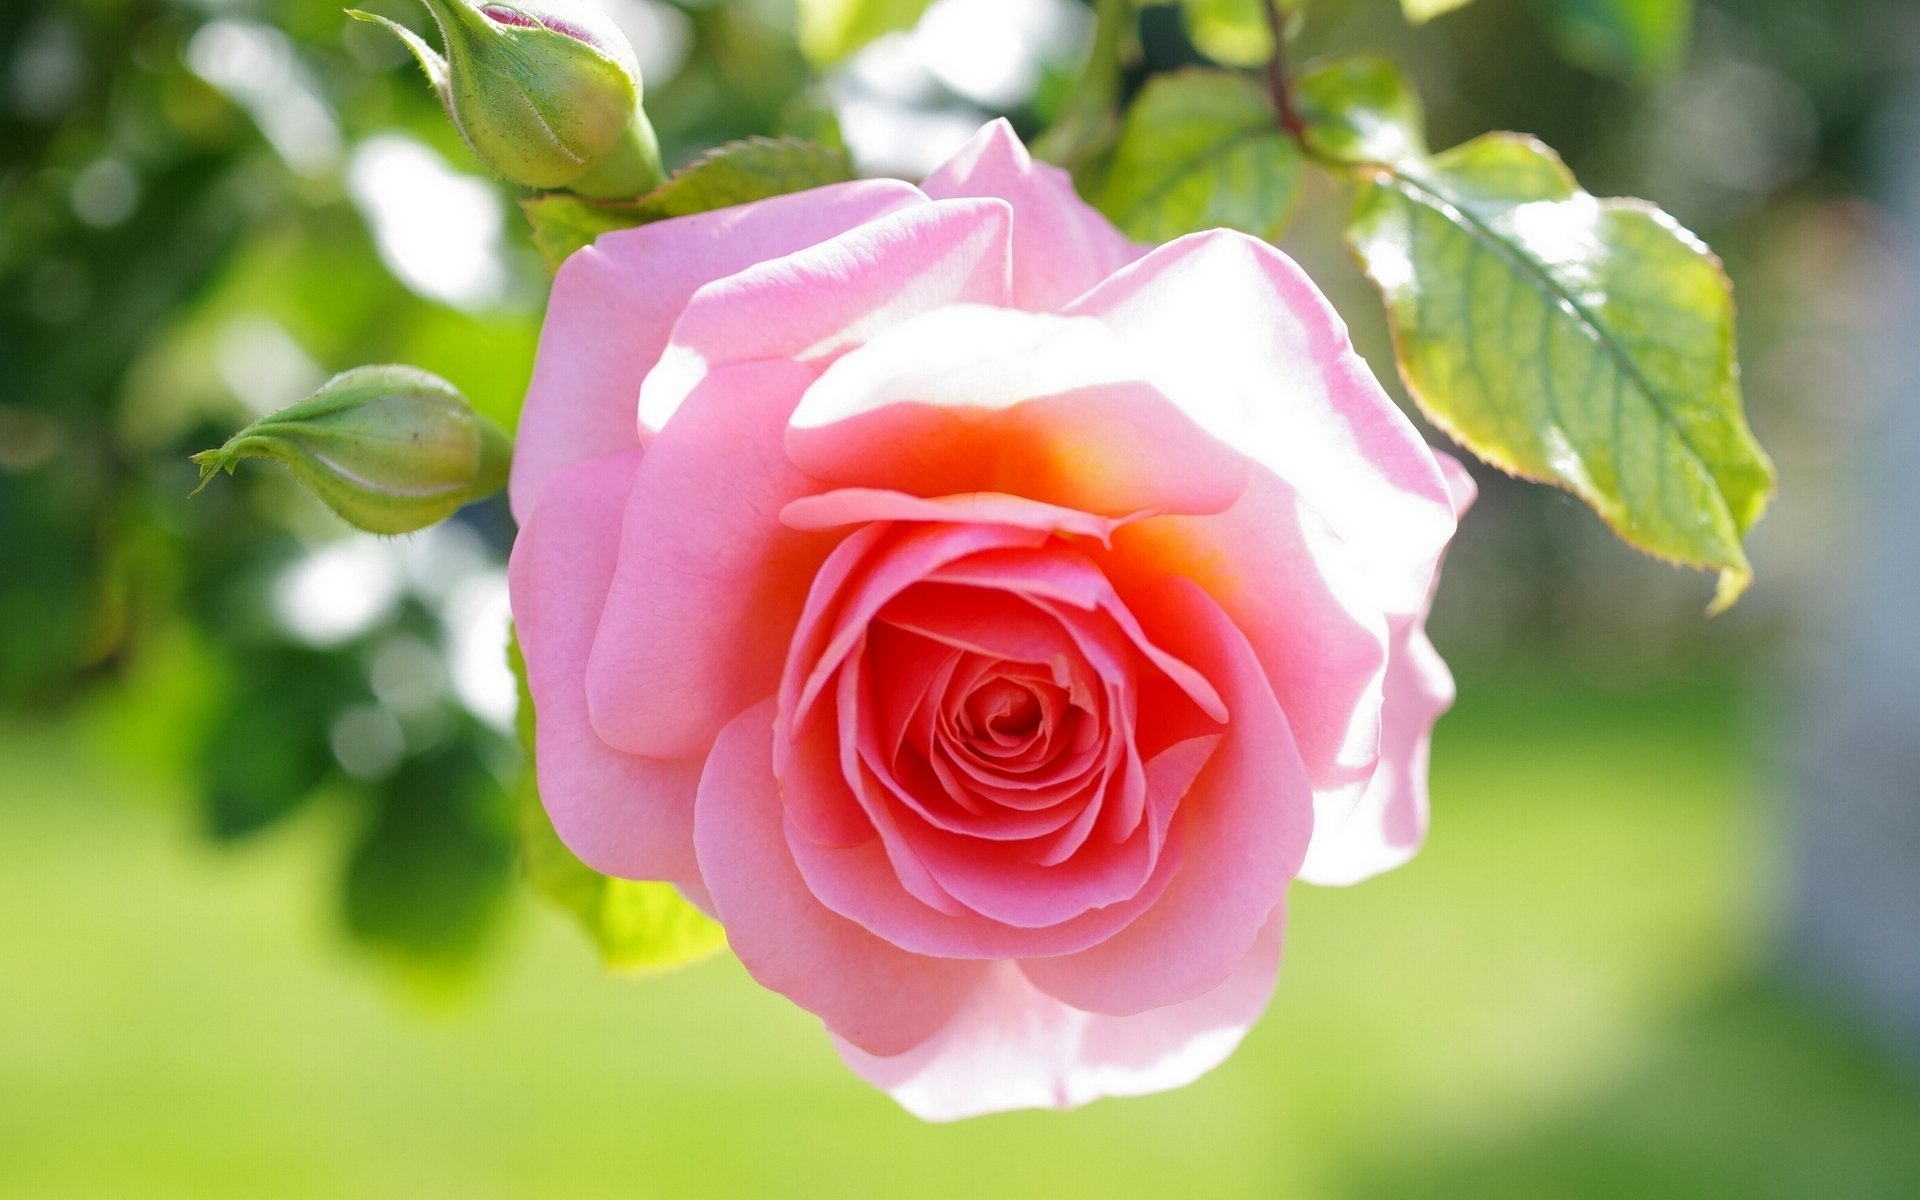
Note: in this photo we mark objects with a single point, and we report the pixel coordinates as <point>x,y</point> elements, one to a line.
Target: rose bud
<point>389,449</point>
<point>547,98</point>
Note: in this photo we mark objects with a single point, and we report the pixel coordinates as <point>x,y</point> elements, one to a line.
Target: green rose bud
<point>546,99</point>
<point>389,449</point>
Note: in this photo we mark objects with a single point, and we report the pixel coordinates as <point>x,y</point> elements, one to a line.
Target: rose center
<point>1003,710</point>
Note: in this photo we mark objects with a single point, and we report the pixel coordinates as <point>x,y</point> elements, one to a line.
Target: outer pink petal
<point>1013,1046</point>
<point>1246,819</point>
<point>1235,333</point>
<point>868,991</point>
<point>623,815</point>
<point>709,583</point>
<point>1061,246</point>
<point>1388,824</point>
<point>971,398</point>
<point>1390,821</point>
<point>817,303</point>
<point>614,303</point>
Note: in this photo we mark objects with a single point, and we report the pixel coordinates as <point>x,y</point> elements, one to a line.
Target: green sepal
<point>430,60</point>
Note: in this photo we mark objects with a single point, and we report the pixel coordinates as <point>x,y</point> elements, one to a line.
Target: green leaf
<point>736,173</point>
<point>1235,32</point>
<point>1635,39</point>
<point>563,223</point>
<point>1359,109</point>
<point>1087,122</point>
<point>1422,11</point>
<point>1583,342</point>
<point>1200,150</point>
<point>639,926</point>
<point>830,30</point>
<point>429,875</point>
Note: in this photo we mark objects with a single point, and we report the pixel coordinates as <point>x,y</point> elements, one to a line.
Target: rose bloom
<point>983,616</point>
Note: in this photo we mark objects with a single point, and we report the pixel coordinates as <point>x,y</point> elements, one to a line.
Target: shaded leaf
<point>736,173</point>
<point>1583,342</point>
<point>1200,150</point>
<point>1635,39</point>
<point>429,874</point>
<point>638,926</point>
<point>266,750</point>
<point>1084,128</point>
<point>830,30</point>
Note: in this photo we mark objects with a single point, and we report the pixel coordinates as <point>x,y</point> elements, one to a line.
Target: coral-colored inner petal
<point>968,696</point>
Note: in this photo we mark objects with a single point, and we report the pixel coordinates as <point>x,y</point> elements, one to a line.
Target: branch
<point>1278,85</point>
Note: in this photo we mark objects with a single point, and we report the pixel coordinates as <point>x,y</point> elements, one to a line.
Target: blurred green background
<point>260,927</point>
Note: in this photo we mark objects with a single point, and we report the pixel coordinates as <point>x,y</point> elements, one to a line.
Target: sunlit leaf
<point>1583,342</point>
<point>1638,39</point>
<point>1359,109</point>
<point>1200,150</point>
<point>1235,32</point>
<point>637,926</point>
<point>830,30</point>
<point>736,173</point>
<point>1421,11</point>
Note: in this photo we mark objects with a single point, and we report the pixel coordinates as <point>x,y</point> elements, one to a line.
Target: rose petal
<point>621,814</point>
<point>1247,820</point>
<point>1061,246</point>
<point>821,301</point>
<point>862,883</point>
<point>615,302</point>
<point>1232,331</point>
<point>1013,1046</point>
<point>1065,577</point>
<point>859,506</point>
<point>858,579</point>
<point>999,885</point>
<point>1388,824</point>
<point>710,583</point>
<point>977,399</point>
<point>871,993</point>
<point>1289,586</point>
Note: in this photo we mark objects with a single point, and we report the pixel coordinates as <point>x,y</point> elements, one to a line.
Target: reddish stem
<point>1278,85</point>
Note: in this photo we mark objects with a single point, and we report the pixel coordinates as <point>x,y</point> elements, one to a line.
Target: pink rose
<point>985,617</point>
